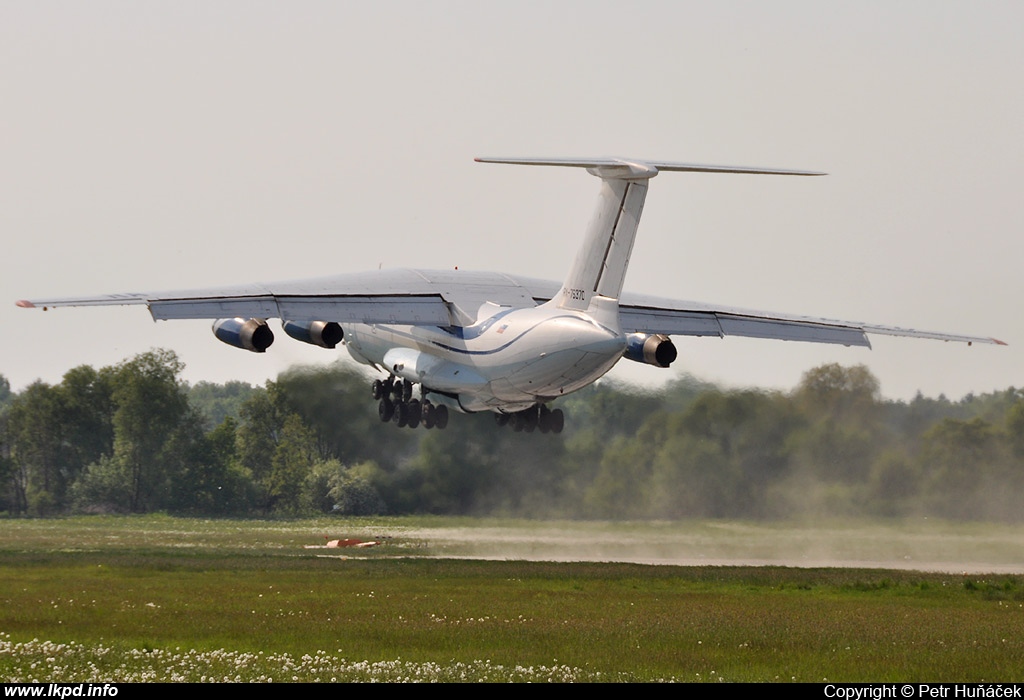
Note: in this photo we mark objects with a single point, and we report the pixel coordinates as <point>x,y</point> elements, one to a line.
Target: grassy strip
<point>114,605</point>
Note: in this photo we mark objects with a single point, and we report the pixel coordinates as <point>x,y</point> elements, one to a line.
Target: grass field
<point>158,598</point>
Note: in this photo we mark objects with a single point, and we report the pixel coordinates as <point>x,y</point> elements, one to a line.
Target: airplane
<point>491,342</point>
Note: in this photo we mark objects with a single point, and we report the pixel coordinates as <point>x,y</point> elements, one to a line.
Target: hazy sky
<point>163,145</point>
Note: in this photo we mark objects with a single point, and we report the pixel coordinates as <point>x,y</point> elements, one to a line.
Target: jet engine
<point>251,334</point>
<point>326,334</point>
<point>656,350</point>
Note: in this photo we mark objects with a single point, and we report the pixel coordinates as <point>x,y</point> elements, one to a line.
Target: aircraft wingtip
<point>999,342</point>
<point>25,304</point>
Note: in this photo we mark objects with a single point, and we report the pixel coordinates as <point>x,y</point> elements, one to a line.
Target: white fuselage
<point>509,360</point>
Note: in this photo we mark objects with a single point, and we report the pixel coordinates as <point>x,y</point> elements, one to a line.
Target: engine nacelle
<point>656,350</point>
<point>251,334</point>
<point>326,334</point>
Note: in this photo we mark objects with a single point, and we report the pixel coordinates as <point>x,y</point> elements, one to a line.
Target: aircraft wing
<point>646,314</point>
<point>452,297</point>
<point>639,313</point>
<point>403,297</point>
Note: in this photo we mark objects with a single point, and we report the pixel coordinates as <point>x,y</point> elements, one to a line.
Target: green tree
<point>103,487</point>
<point>87,411</point>
<point>720,456</point>
<point>453,469</point>
<point>334,402</point>
<point>290,466</point>
<point>967,474</point>
<point>152,410</point>
<point>844,423</point>
<point>258,437</point>
<point>5,392</point>
<point>219,401</point>
<point>353,491</point>
<point>1014,421</point>
<point>35,439</point>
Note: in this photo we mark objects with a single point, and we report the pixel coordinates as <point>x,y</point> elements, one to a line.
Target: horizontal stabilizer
<point>628,168</point>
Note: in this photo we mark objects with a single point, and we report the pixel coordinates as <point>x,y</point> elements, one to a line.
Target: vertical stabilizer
<point>601,262</point>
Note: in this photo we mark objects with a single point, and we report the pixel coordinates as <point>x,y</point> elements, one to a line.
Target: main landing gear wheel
<point>401,417</point>
<point>530,420</point>
<point>550,421</point>
<point>441,417</point>
<point>555,421</point>
<point>535,418</point>
<point>395,404</point>
<point>413,413</point>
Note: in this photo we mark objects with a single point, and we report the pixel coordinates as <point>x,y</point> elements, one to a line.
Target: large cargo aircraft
<point>484,341</point>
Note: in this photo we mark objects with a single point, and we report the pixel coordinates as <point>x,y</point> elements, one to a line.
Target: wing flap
<point>776,329</point>
<point>213,308</point>
<point>401,310</point>
<point>397,309</point>
<point>669,322</point>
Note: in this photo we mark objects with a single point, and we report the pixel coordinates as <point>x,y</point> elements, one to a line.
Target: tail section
<point>600,266</point>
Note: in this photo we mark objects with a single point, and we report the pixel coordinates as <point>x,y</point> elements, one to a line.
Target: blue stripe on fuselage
<point>473,332</point>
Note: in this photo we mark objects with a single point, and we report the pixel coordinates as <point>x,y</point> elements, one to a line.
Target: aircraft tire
<point>544,419</point>
<point>415,413</point>
<point>377,388</point>
<point>401,417</point>
<point>530,420</point>
<point>557,421</point>
<point>441,417</point>
<point>428,415</point>
<point>385,409</point>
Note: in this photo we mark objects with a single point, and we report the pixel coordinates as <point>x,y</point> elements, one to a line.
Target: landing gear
<point>381,389</point>
<point>414,413</point>
<point>401,417</point>
<point>395,404</point>
<point>441,417</point>
<point>538,417</point>
<point>554,421</point>
<point>385,409</point>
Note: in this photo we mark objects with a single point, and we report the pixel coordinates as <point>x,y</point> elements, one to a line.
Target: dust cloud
<point>921,545</point>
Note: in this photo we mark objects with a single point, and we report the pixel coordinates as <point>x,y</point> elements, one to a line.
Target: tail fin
<point>601,262</point>
<point>600,265</point>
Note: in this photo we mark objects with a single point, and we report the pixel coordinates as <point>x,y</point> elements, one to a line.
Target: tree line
<point>135,438</point>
